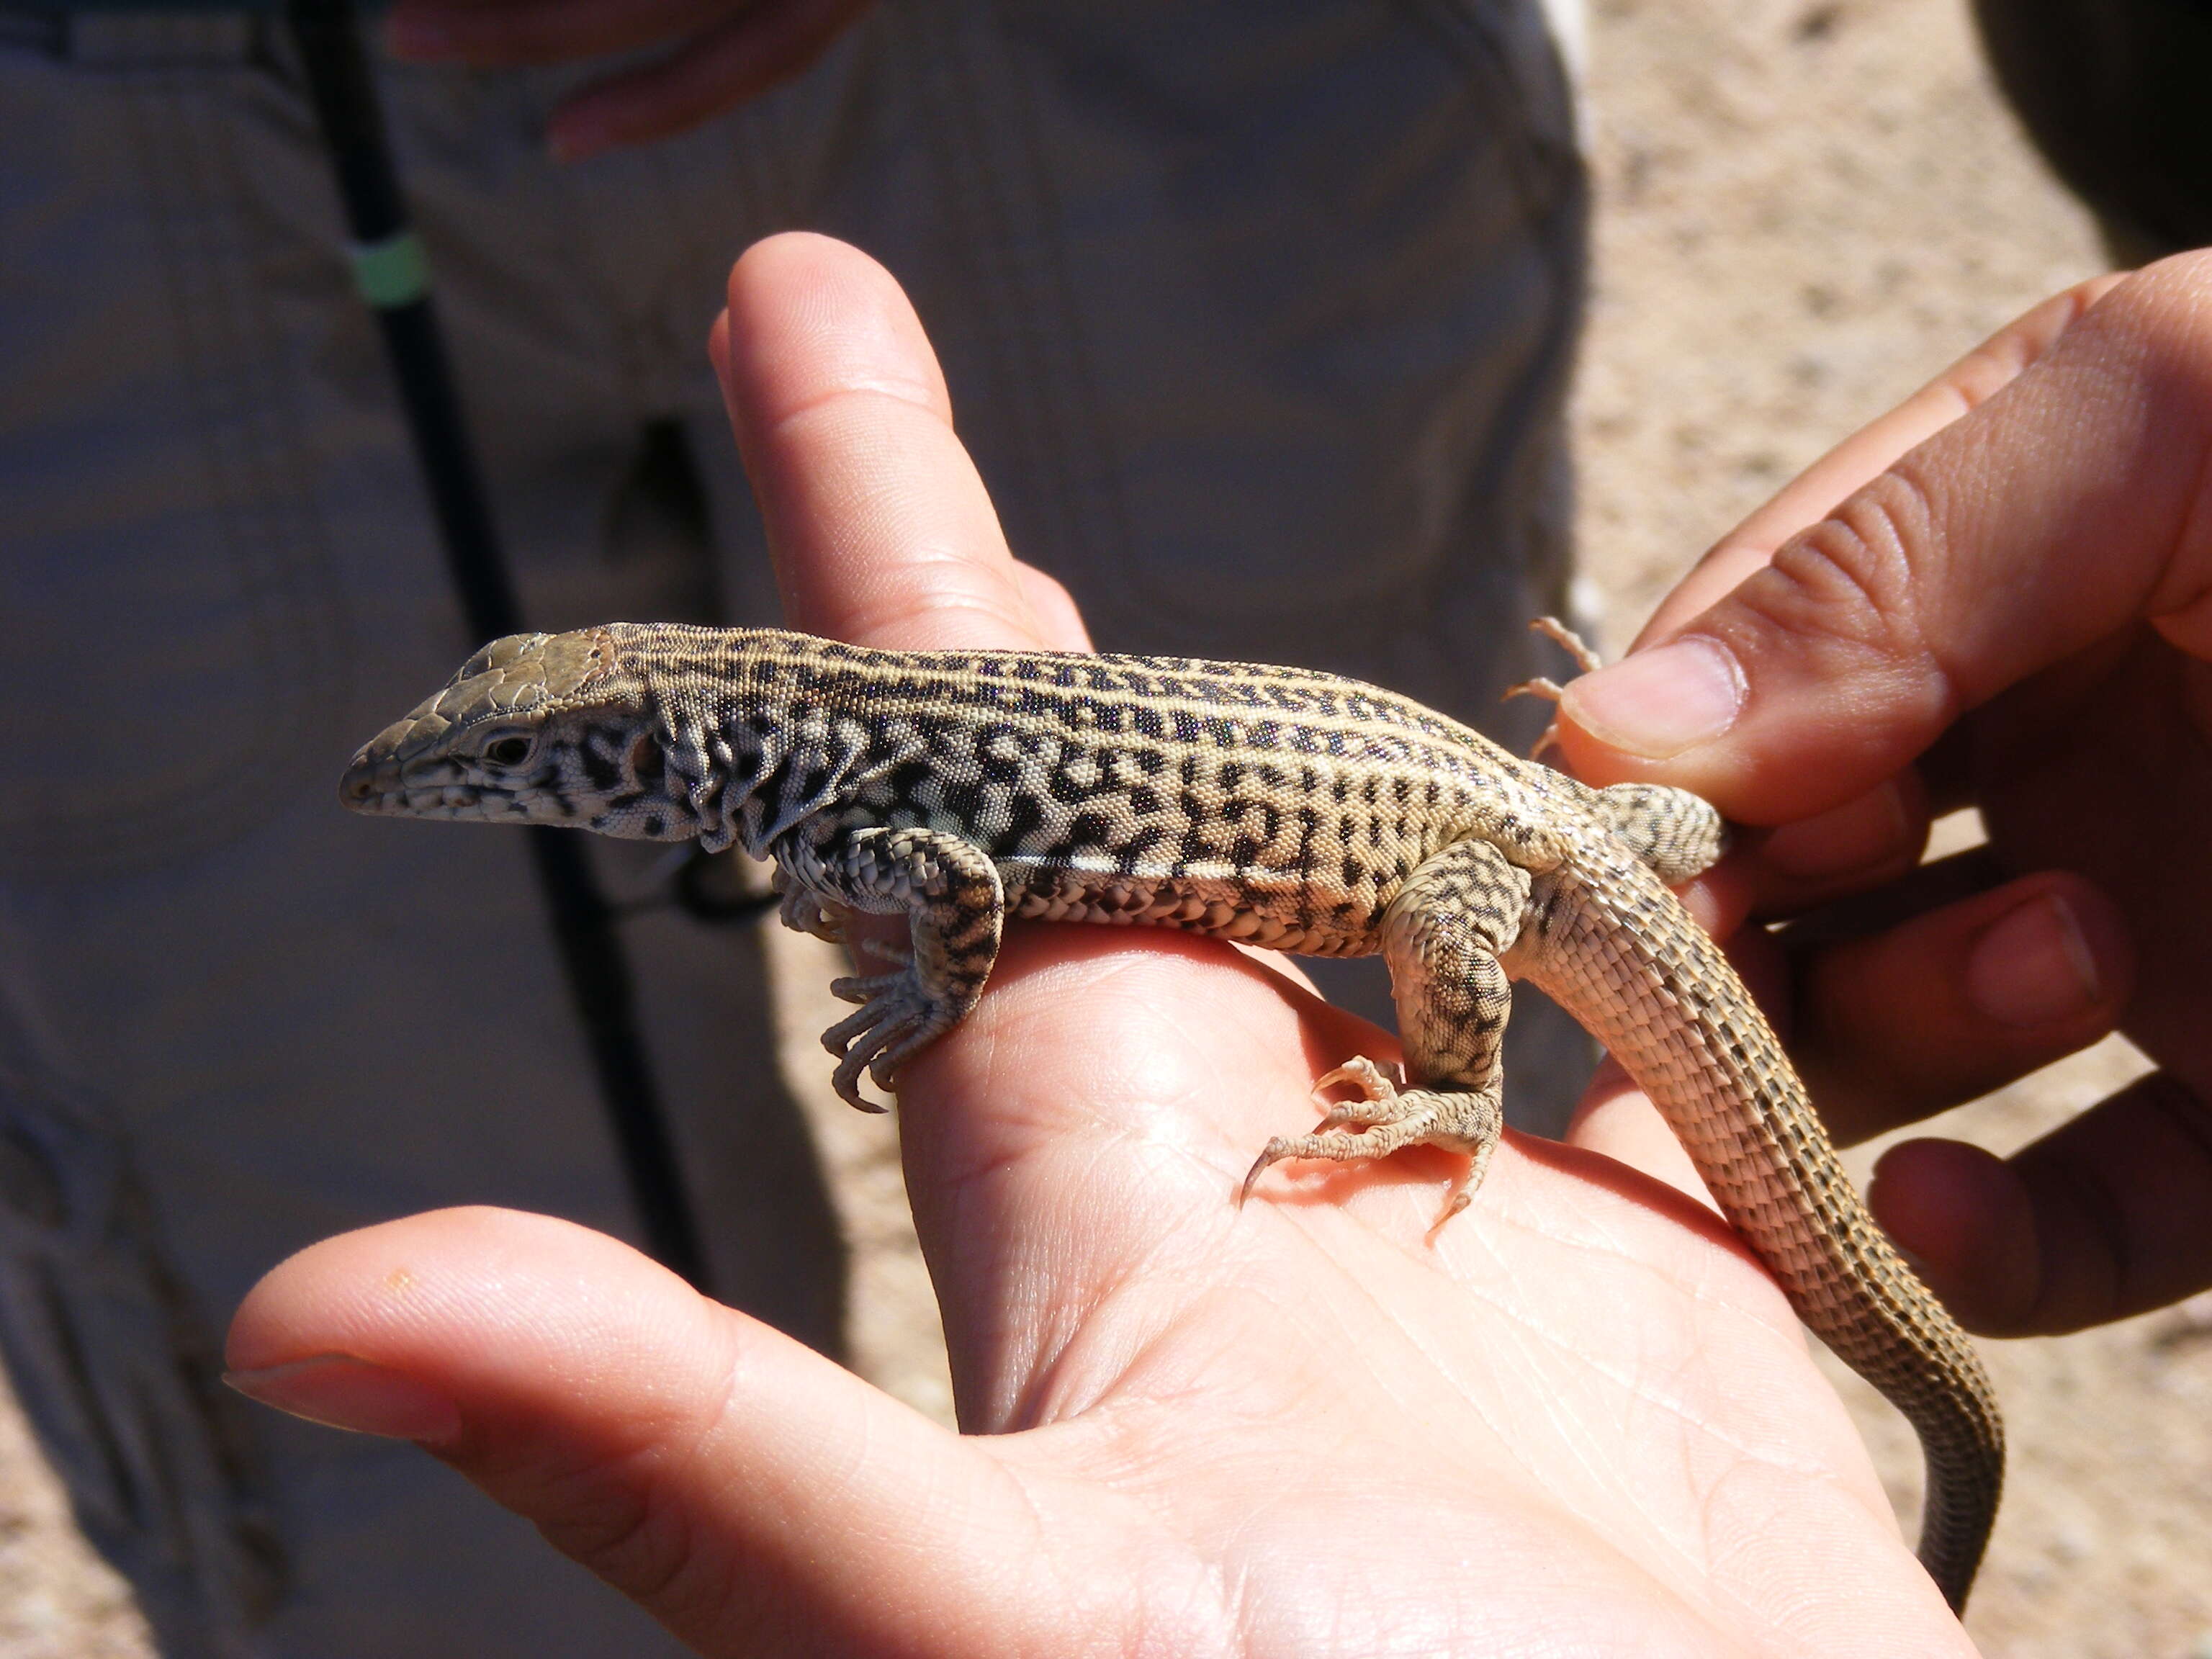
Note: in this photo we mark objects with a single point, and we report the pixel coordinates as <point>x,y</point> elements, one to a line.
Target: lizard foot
<point>897,1018</point>
<point>1586,661</point>
<point>1386,1117</point>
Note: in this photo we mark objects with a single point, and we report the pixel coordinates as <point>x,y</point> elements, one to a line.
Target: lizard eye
<point>507,751</point>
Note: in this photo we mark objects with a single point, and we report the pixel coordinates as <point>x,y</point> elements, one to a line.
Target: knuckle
<point>2162,1241</point>
<point>1847,593</point>
<point>956,607</point>
<point>2151,336</point>
<point>2005,356</point>
<point>631,1516</point>
<point>618,1518</point>
<point>2087,1286</point>
<point>2158,322</point>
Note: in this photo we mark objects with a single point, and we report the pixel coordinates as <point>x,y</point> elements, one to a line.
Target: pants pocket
<point>177,647</point>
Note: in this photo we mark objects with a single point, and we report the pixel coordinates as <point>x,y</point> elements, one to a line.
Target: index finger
<point>2067,508</point>
<point>1962,388</point>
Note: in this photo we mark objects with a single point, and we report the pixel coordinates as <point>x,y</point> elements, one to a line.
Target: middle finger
<point>882,530</point>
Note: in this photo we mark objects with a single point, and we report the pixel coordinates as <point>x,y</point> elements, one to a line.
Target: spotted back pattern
<point>1279,806</point>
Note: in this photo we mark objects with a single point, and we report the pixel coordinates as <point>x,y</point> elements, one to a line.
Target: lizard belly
<point>1277,911</point>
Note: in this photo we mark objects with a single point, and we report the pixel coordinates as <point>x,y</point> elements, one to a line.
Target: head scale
<point>536,728</point>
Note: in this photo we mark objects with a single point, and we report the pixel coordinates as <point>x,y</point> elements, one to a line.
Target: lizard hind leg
<point>1442,938</point>
<point>1676,834</point>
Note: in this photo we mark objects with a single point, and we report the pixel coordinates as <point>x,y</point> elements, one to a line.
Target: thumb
<point>749,1493</point>
<point>2068,508</point>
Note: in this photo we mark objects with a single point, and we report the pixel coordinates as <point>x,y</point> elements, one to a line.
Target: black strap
<point>393,278</point>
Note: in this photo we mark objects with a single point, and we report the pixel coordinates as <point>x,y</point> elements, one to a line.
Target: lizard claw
<point>863,1040</point>
<point>803,913</point>
<point>1377,1101</point>
<point>1379,1104</point>
<point>898,953</point>
<point>864,987</point>
<point>1363,1073</point>
<point>1586,661</point>
<point>895,1018</point>
<point>1457,1197</point>
<point>1275,1149</point>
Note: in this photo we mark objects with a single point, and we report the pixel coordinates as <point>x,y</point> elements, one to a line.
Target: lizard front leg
<point>949,891</point>
<point>1441,937</point>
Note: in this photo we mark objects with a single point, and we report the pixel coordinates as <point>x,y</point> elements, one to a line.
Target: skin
<point>2012,615</point>
<point>707,56</point>
<point>1578,1420</point>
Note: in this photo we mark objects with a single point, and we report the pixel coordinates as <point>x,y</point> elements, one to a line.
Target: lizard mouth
<point>386,789</point>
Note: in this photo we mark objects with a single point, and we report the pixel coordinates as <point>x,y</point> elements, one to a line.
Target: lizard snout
<point>374,772</point>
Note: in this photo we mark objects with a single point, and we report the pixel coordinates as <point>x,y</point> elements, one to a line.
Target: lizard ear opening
<point>646,763</point>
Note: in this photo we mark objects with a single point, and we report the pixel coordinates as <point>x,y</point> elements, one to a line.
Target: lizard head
<point>535,728</point>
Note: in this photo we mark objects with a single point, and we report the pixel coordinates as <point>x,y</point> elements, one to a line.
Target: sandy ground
<point>1806,207</point>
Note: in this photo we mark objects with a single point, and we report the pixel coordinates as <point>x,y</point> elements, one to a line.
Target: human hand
<point>2008,610</point>
<point>721,52</point>
<point>1582,1419</point>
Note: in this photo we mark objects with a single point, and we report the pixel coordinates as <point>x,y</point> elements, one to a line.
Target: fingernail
<point>1858,834</point>
<point>1658,703</point>
<point>2033,965</point>
<point>341,1392</point>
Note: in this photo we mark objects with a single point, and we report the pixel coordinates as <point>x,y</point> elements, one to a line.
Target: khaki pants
<point>1257,319</point>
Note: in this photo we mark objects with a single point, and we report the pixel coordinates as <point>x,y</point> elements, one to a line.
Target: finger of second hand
<point>1960,388</point>
<point>1872,839</point>
<point>881,528</point>
<point>1963,999</point>
<point>2101,1219</point>
<point>2120,1195</point>
<point>1952,578</point>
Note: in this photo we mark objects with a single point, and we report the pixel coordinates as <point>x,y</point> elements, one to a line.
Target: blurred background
<point>1804,208</point>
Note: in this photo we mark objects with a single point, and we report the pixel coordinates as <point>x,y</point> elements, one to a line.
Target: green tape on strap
<point>390,273</point>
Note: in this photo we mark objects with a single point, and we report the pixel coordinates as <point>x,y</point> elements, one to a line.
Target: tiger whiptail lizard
<point>1284,808</point>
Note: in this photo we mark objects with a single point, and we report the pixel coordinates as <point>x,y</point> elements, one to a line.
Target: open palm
<point>1578,1419</point>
